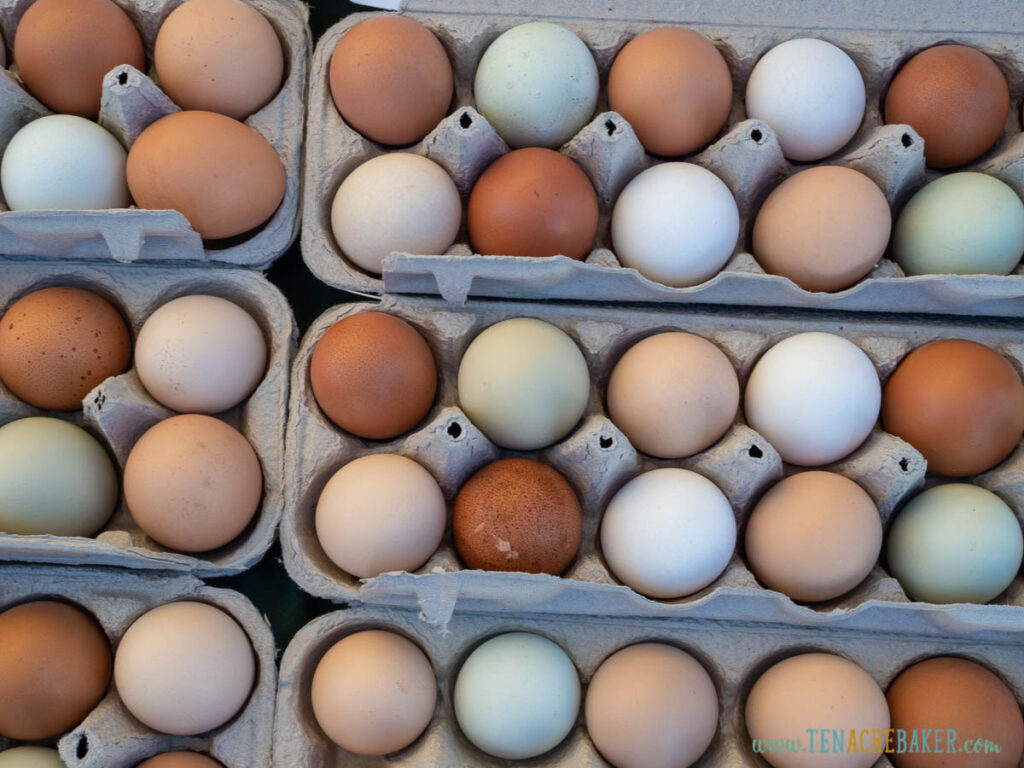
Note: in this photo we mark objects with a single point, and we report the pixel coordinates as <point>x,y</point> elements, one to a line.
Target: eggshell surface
<point>380,513</point>
<point>373,692</point>
<point>30,757</point>
<point>517,696</point>
<point>184,668</point>
<point>180,760</point>
<point>651,705</point>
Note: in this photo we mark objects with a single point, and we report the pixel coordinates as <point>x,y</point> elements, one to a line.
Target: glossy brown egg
<point>960,403</point>
<point>517,515</point>
<point>223,176</point>
<point>56,344</point>
<point>955,97</point>
<point>64,48</point>
<point>180,760</point>
<point>533,202</point>
<point>391,79</point>
<point>373,375</point>
<point>946,692</point>
<point>55,667</point>
<point>673,87</point>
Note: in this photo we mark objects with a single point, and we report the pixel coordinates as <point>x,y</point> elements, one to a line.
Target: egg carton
<point>745,155</point>
<point>119,410</point>
<point>735,655</point>
<point>597,459</point>
<point>109,736</point>
<point>131,101</point>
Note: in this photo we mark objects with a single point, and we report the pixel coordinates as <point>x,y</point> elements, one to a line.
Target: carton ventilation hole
<point>756,136</point>
<point>122,78</point>
<point>755,452</point>
<point>465,121</point>
<point>907,141</point>
<point>605,441</point>
<point>904,464</point>
<point>82,748</point>
<point>455,430</point>
<point>611,127</point>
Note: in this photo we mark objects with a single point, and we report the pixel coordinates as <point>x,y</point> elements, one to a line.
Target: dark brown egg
<point>959,403</point>
<point>180,760</point>
<point>63,49</point>
<point>947,694</point>
<point>517,515</point>
<point>56,344</point>
<point>373,375</point>
<point>533,202</point>
<point>55,667</point>
<point>955,97</point>
<point>391,79</point>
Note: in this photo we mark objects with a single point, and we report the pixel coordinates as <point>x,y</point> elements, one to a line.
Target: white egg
<point>30,757</point>
<point>200,354</point>
<point>64,162</point>
<point>395,203</point>
<point>814,396</point>
<point>812,95</point>
<point>517,696</point>
<point>675,223</point>
<point>536,85</point>
<point>668,533</point>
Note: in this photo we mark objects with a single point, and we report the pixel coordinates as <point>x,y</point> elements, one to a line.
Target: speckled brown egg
<point>533,202</point>
<point>960,403</point>
<point>673,87</point>
<point>55,667</point>
<point>180,760</point>
<point>952,693</point>
<point>391,79</point>
<point>223,176</point>
<point>64,48</point>
<point>517,515</point>
<point>56,344</point>
<point>955,97</point>
<point>373,375</point>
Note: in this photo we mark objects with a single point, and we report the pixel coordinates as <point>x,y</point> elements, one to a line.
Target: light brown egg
<point>55,667</point>
<point>960,403</point>
<point>218,55</point>
<point>56,344</point>
<point>64,48</point>
<point>223,176</point>
<point>180,760</point>
<point>192,483</point>
<point>673,87</point>
<point>673,394</point>
<point>824,228</point>
<point>814,536</point>
<point>391,79</point>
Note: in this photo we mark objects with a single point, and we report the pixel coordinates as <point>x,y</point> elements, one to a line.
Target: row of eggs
<point>653,705</point>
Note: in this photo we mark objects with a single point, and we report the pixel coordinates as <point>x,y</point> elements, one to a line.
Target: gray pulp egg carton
<point>131,101</point>
<point>119,410</point>
<point>734,654</point>
<point>745,155</point>
<point>109,736</point>
<point>597,460</point>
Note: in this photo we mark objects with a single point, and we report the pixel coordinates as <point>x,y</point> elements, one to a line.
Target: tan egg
<point>56,344</point>
<point>192,483</point>
<point>814,536</point>
<point>824,228</point>
<point>180,760</point>
<point>64,48</point>
<point>223,176</point>
<point>219,55</point>
<point>673,394</point>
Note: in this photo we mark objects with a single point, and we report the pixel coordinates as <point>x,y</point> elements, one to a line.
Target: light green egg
<point>55,478</point>
<point>955,543</point>
<point>964,223</point>
<point>30,757</point>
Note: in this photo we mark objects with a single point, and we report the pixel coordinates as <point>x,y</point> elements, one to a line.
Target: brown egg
<point>218,55</point>
<point>517,515</point>
<point>533,202</point>
<point>180,760</point>
<point>64,48</point>
<point>955,97</point>
<point>224,177</point>
<point>673,87</point>
<point>192,483</point>
<point>814,536</point>
<point>55,667</point>
<point>959,403</point>
<point>947,693</point>
<point>824,228</point>
<point>56,344</point>
<point>373,375</point>
<point>391,79</point>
